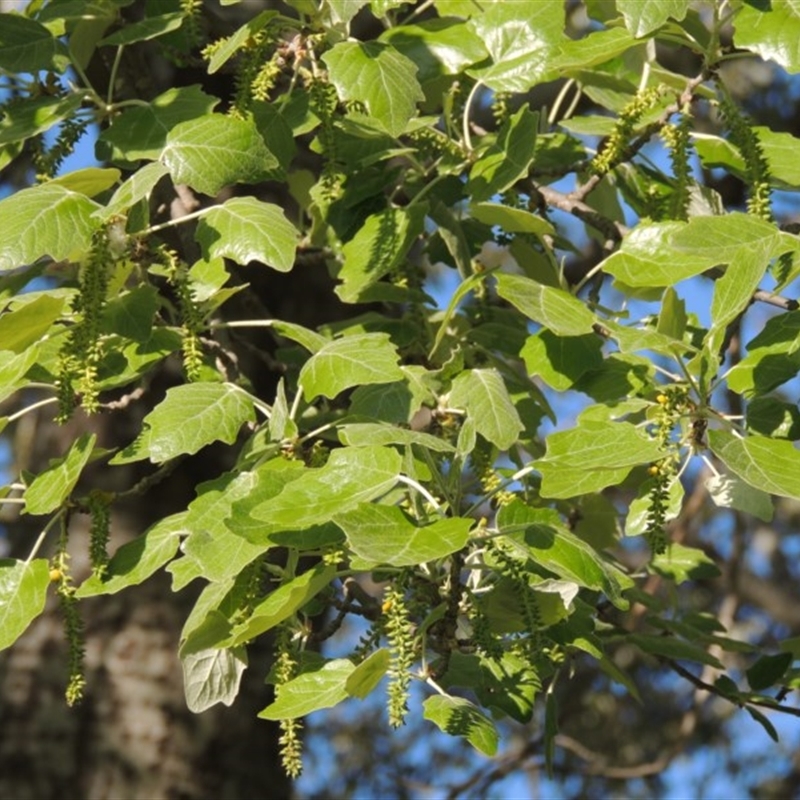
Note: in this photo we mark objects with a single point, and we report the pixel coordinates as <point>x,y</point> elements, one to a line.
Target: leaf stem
<point>465,119</point>
<point>40,540</point>
<point>422,490</point>
<point>47,401</point>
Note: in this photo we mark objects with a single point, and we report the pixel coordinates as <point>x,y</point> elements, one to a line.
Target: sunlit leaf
<point>245,229</point>
<point>23,591</point>
<point>215,151</point>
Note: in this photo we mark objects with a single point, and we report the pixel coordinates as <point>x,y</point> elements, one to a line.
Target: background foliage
<point>468,329</point>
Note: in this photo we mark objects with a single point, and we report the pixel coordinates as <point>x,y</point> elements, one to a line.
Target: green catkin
<point>677,139</point>
<point>192,12</point>
<point>613,151</point>
<point>324,103</point>
<point>82,352</point>
<point>190,313</point>
<point>744,137</point>
<point>671,404</point>
<point>47,162</point>
<point>290,741</point>
<point>98,505</point>
<point>400,639</point>
<point>514,570</point>
<point>72,622</point>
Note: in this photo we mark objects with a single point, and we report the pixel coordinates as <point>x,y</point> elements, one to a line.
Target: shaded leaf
<point>142,132</point>
<point>508,159</point>
<point>385,535</point>
<point>212,676</point>
<point>730,491</point>
<point>768,670</point>
<point>459,717</point>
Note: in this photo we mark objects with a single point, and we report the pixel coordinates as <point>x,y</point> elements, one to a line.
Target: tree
<point>228,328</point>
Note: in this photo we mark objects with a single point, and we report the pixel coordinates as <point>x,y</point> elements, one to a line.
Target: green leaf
<point>772,30</point>
<point>146,29</point>
<point>139,186</point>
<point>779,149</point>
<point>142,132</point>
<point>378,76</point>
<point>350,361</point>
<point>763,720</point>
<point>772,465</point>
<point>380,245</point>
<point>601,445</point>
<point>773,357</point>
<point>45,220</point>
<point>311,691</point>
<point>245,229</point>
<point>385,535</point>
<point>30,322</point>
<point>437,46</point>
<point>768,670</point>
<point>640,508</point>
<point>509,684</point>
<point>560,481</point>
<point>238,39</point>
<point>23,591</point>
<point>50,488</point>
<point>508,159</point>
<point>33,115</point>
<point>670,647</point>
<point>464,288</point>
<point>596,48</point>
<point>352,475</point>
<point>393,402</point>
<point>521,39</point>
<point>190,417</point>
<point>553,308</point>
<point>729,491</point>
<point>561,360</point>
<point>679,563</point>
<point>557,549</point>
<point>770,417</point>
<point>13,368</point>
<point>459,717</point>
<point>672,318</point>
<point>359,434</point>
<point>482,393</point>
<point>218,552</point>
<point>216,151</point>
<point>131,314</point>
<point>27,46</point>
<point>138,559</point>
<point>368,674</point>
<point>212,676</point>
<point>510,219</point>
<point>282,603</point>
<point>642,18</point>
<point>733,291</point>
